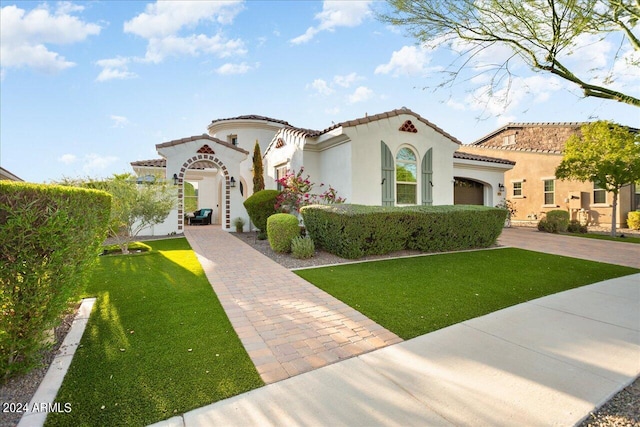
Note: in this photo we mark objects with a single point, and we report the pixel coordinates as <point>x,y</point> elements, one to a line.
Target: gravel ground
<point>20,389</point>
<point>623,410</point>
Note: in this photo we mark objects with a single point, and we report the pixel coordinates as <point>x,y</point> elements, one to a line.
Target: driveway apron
<point>287,325</point>
<point>619,253</point>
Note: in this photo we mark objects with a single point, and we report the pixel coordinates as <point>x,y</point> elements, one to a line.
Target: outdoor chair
<point>201,217</point>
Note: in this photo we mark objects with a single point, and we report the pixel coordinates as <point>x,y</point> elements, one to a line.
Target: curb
<point>42,401</point>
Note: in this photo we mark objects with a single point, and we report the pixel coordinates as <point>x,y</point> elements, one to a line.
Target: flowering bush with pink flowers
<point>296,193</point>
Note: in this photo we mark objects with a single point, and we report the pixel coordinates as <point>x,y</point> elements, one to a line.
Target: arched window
<point>406,177</point>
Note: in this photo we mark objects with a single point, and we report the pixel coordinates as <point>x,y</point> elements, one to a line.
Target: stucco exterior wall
<point>532,169</point>
<point>491,175</point>
<point>366,162</point>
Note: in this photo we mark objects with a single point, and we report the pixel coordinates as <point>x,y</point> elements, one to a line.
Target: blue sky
<point>88,87</point>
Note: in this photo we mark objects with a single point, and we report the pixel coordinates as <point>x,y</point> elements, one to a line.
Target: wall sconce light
<point>431,183</point>
<point>175,179</point>
<point>232,182</point>
<point>500,187</point>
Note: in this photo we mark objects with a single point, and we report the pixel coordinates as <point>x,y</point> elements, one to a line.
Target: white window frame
<point>601,190</point>
<point>513,190</point>
<point>409,162</point>
<point>545,192</point>
<point>280,171</point>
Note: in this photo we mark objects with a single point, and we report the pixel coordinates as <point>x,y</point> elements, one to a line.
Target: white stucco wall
<point>366,162</point>
<point>490,174</point>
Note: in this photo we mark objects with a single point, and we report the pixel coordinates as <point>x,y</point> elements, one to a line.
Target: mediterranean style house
<point>394,158</point>
<point>536,149</point>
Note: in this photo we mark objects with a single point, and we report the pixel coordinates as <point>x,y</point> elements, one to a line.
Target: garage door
<point>468,192</point>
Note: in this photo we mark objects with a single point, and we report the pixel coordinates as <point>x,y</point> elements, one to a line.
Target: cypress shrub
<point>260,206</point>
<point>50,236</point>
<point>281,229</point>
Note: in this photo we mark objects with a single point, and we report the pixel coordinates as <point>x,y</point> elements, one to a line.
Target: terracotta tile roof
<point>376,117</point>
<point>152,163</point>
<point>198,137</point>
<point>252,117</point>
<point>476,157</point>
<point>162,163</point>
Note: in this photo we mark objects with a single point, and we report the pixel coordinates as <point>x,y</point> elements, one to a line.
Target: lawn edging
<point>42,400</point>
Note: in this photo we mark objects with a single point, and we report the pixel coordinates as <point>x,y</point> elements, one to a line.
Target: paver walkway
<point>287,325</point>
<point>577,247</point>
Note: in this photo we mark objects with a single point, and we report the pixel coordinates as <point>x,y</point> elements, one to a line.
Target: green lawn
<point>158,343</point>
<point>414,296</point>
<point>626,239</point>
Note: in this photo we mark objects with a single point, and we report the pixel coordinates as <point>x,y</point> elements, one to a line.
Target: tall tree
<point>605,153</point>
<point>258,171</point>
<point>542,33</point>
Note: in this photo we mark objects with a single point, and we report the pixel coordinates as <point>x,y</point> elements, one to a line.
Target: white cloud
<point>229,69</point>
<point>159,49</point>
<point>94,162</point>
<point>119,121</point>
<point>336,14</point>
<point>165,18</point>
<point>67,159</point>
<point>162,22</point>
<point>114,68</point>
<point>362,93</point>
<point>321,86</point>
<point>408,61</point>
<point>26,36</point>
<point>348,80</point>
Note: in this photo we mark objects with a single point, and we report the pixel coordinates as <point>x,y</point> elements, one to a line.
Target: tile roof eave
<point>368,119</point>
<point>476,157</point>
<point>198,137</point>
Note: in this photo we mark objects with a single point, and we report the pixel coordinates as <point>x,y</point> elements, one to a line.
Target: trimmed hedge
<point>50,236</point>
<point>353,231</point>
<point>281,229</point>
<point>260,206</point>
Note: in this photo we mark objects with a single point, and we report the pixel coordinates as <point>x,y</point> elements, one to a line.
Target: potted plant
<point>239,224</point>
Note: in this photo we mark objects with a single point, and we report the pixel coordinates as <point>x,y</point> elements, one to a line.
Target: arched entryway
<point>468,192</point>
<point>202,162</point>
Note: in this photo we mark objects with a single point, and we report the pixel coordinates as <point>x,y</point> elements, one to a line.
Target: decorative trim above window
<point>279,143</point>
<point>205,149</point>
<point>408,127</point>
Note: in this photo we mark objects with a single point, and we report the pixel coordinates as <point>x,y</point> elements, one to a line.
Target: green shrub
<point>353,231</point>
<point>556,221</point>
<point>49,238</point>
<point>576,227</point>
<point>633,220</point>
<point>260,206</point>
<point>302,247</point>
<point>281,229</point>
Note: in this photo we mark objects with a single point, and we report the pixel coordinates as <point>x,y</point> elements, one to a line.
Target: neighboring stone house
<point>394,158</point>
<point>536,149</point>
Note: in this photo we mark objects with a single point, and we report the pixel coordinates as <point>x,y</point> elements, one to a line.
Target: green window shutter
<point>427,178</point>
<point>388,175</point>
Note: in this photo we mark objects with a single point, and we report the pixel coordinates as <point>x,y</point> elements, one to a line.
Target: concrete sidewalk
<point>549,361</point>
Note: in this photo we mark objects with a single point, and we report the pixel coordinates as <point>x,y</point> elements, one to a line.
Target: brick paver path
<point>287,325</point>
<point>577,247</point>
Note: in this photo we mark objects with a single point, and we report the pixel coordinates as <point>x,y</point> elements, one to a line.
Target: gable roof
<point>368,119</point>
<point>199,137</point>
